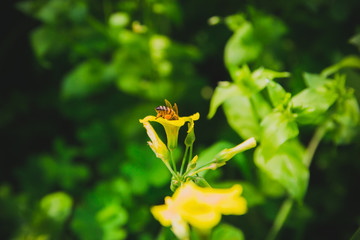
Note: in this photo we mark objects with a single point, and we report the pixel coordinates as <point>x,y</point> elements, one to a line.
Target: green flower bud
<point>190,137</point>
<point>227,154</point>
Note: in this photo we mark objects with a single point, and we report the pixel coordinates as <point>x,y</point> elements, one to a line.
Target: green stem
<point>171,170</point>
<point>198,169</point>
<point>191,152</point>
<point>280,218</point>
<point>184,160</point>
<point>314,143</point>
<point>190,157</point>
<point>172,160</point>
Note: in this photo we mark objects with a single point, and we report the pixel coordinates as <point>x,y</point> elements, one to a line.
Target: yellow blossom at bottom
<point>200,207</point>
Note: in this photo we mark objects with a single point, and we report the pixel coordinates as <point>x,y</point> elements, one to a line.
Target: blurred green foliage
<point>79,164</point>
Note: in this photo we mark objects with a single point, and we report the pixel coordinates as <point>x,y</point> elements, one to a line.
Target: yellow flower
<point>156,144</point>
<point>172,127</point>
<point>200,207</point>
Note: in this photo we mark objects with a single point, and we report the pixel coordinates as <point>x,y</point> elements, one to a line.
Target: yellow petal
<point>156,144</point>
<point>203,220</point>
<point>180,228</point>
<point>165,213</point>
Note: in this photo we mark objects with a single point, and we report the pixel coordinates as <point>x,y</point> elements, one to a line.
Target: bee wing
<point>168,104</point>
<point>175,108</point>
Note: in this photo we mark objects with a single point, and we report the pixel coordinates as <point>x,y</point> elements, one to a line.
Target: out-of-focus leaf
<point>262,76</point>
<point>60,168</point>
<point>242,47</point>
<point>57,206</point>
<point>111,218</point>
<point>268,29</point>
<point>261,105</point>
<point>349,61</point>
<point>356,235</point>
<point>47,42</point>
<point>100,215</point>
<point>144,169</point>
<point>314,80</point>
<point>90,135</point>
<point>55,11</point>
<point>112,215</point>
<point>346,120</point>
<point>244,79</point>
<point>277,94</point>
<point>269,186</point>
<point>227,232</point>
<point>251,83</point>
<point>276,128</point>
<point>242,117</point>
<point>222,92</point>
<point>286,167</point>
<point>235,21</point>
<point>87,78</point>
<point>355,40</point>
<point>119,19</point>
<point>310,104</point>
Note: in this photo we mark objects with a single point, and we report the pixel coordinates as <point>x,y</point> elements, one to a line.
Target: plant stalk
<point>172,160</point>
<point>184,160</point>
<point>280,218</point>
<point>288,203</point>
<point>314,143</point>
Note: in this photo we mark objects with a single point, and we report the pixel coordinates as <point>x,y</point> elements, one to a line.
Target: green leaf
<point>242,47</point>
<point>263,76</point>
<point>286,167</point>
<point>227,232</point>
<point>349,61</point>
<point>242,117</point>
<point>260,105</point>
<point>310,104</point>
<point>346,120</point>
<point>243,79</point>
<point>276,128</point>
<point>235,21</point>
<point>251,83</point>
<point>222,92</point>
<point>277,94</point>
<point>314,80</point>
<point>355,40</point>
<point>269,186</point>
<point>57,206</point>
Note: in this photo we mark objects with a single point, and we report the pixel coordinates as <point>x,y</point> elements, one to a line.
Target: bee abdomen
<point>163,108</point>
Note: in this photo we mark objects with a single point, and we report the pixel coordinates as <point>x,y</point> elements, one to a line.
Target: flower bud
<point>190,137</point>
<point>193,162</point>
<point>175,184</point>
<point>227,154</point>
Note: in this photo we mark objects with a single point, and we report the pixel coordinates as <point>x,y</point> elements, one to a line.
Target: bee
<point>167,112</point>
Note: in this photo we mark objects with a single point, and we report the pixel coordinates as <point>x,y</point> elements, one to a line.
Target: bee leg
<point>167,117</point>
